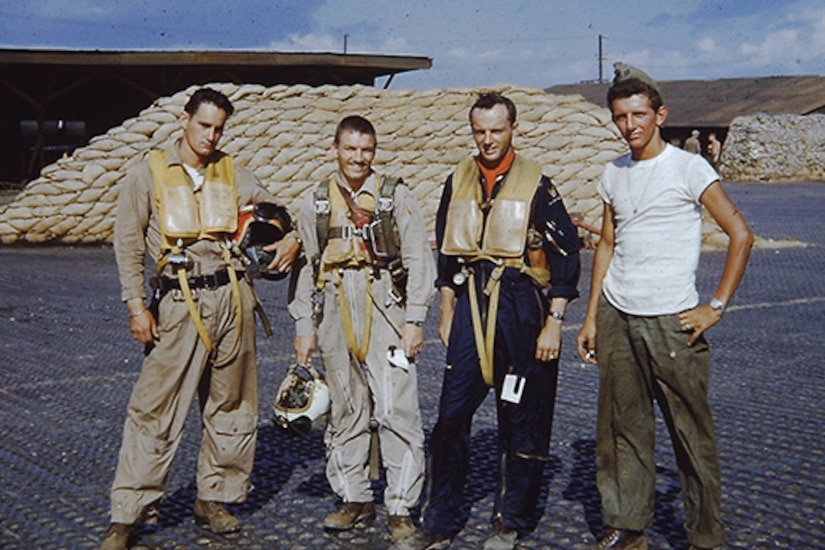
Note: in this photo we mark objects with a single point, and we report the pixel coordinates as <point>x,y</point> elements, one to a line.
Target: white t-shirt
<point>658,230</point>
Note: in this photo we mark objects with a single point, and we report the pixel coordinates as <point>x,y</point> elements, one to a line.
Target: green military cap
<point>627,72</point>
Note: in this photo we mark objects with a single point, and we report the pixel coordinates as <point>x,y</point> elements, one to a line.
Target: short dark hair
<point>208,95</point>
<point>355,123</point>
<point>489,100</point>
<point>633,86</point>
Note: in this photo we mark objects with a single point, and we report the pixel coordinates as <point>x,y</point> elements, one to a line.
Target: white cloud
<point>308,43</point>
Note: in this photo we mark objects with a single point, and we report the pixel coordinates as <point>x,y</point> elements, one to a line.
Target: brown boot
<point>349,514</point>
<point>117,537</point>
<point>622,539</point>
<point>401,527</point>
<point>213,515</point>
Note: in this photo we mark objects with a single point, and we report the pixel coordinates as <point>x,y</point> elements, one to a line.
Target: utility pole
<point>601,58</point>
<point>346,35</point>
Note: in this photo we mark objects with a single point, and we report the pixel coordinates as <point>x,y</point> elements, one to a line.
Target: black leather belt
<point>208,281</point>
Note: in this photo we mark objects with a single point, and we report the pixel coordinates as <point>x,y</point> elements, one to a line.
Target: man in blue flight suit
<point>508,265</point>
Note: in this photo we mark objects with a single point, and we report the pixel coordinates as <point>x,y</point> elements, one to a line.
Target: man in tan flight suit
<point>368,325</point>
<point>180,206</point>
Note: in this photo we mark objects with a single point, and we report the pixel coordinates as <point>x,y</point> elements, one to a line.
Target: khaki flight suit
<point>359,388</point>
<point>178,367</point>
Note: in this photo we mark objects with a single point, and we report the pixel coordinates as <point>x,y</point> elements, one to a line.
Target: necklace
<point>638,200</point>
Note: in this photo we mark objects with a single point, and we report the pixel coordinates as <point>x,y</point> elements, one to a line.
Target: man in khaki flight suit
<point>359,320</point>
<point>180,206</point>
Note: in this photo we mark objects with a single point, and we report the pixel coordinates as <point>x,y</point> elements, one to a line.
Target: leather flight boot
<point>501,538</point>
<point>622,539</point>
<point>422,540</point>
<point>214,515</point>
<point>401,527</point>
<point>117,537</point>
<point>348,515</point>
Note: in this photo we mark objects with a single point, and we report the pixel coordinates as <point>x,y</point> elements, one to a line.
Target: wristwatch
<point>717,305</point>
<point>557,315</point>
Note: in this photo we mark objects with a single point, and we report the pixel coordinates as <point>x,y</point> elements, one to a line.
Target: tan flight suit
<point>178,367</point>
<point>355,385</point>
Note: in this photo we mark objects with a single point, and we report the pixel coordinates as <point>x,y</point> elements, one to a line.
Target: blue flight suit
<point>523,429</point>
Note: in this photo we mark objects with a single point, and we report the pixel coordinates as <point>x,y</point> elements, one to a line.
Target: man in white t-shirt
<point>645,320</point>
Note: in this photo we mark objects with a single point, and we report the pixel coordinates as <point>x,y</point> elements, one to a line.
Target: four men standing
<point>508,264</point>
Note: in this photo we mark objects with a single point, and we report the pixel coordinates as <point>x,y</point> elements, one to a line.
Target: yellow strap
<point>195,314</point>
<point>236,287</point>
<point>236,292</point>
<point>193,310</point>
<point>485,342</point>
<point>359,353</point>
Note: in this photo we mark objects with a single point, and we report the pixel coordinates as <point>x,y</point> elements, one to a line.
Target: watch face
<point>718,305</point>
<point>459,278</point>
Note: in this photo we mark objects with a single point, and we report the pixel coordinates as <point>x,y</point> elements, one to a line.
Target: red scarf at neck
<point>490,175</point>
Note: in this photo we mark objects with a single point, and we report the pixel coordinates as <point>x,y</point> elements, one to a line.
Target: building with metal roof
<point>55,100</point>
<point>711,105</point>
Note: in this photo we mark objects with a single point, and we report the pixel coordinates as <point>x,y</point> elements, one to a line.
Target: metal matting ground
<point>67,366</point>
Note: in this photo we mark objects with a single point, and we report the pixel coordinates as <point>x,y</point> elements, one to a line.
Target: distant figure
<point>714,149</point>
<point>692,144</point>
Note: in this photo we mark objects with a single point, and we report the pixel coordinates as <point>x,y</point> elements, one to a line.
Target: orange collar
<point>490,175</point>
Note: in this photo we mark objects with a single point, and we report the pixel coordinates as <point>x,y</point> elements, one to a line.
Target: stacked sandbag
<point>283,133</point>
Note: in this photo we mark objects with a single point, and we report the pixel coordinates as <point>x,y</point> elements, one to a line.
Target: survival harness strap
<point>389,232</point>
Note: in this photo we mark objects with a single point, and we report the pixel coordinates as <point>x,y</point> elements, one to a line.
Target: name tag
<point>512,388</point>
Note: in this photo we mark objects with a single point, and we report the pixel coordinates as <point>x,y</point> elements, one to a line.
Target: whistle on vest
<point>180,259</point>
<point>460,276</point>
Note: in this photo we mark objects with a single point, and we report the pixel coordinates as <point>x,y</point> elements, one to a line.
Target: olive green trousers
<point>642,359</point>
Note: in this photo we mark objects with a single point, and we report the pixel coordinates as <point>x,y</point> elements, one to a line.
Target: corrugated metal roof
<point>715,103</point>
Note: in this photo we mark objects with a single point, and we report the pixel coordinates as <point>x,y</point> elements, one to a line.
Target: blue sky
<point>472,43</point>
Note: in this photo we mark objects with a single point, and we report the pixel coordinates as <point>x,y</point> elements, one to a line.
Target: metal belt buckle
<point>211,280</point>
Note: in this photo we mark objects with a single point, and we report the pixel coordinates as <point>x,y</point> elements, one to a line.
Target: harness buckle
<point>349,232</point>
<point>384,204</point>
<point>322,207</point>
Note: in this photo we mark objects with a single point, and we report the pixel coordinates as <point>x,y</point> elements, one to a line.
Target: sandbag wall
<point>283,133</point>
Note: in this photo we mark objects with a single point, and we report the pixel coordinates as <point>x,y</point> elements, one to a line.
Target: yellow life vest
<point>182,215</point>
<point>501,238</point>
<point>184,219</point>
<point>504,235</point>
